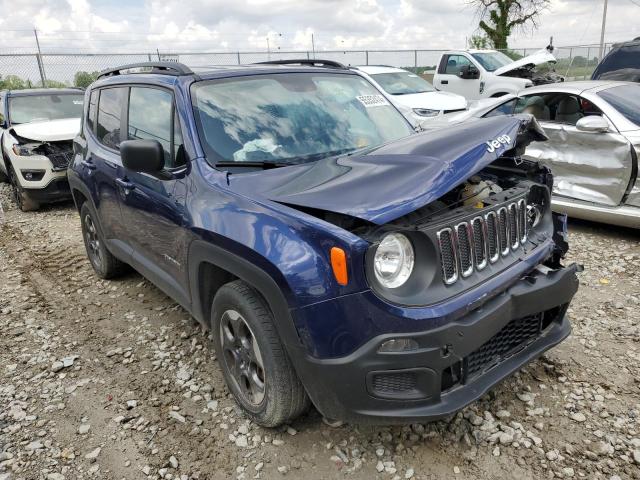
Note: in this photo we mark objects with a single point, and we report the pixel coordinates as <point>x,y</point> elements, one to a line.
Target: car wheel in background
<point>103,262</point>
<point>20,196</point>
<point>254,363</point>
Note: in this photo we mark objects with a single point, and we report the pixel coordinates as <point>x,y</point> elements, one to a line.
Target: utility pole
<point>313,46</point>
<point>604,23</point>
<point>39,59</point>
<point>268,49</point>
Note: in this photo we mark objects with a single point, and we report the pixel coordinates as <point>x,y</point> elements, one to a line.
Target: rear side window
<point>109,115</point>
<point>152,117</point>
<point>91,111</point>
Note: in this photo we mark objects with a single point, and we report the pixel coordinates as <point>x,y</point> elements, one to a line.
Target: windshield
<point>41,108</point>
<point>292,118</point>
<point>625,99</point>
<point>402,83</point>
<point>491,61</point>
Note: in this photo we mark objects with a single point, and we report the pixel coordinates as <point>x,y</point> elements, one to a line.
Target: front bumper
<point>454,364</point>
<point>56,190</point>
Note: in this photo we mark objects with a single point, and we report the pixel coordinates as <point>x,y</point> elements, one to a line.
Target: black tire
<point>20,196</point>
<point>103,262</point>
<point>283,395</point>
<point>3,178</point>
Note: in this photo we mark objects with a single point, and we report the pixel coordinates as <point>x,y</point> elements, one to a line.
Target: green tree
<point>499,18</point>
<point>14,82</point>
<point>479,42</point>
<point>54,84</point>
<point>84,79</point>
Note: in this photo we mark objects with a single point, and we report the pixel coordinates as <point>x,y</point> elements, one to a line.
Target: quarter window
<point>109,109</point>
<point>91,112</point>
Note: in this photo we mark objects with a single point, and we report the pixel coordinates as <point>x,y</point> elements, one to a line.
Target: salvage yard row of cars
<point>342,251</point>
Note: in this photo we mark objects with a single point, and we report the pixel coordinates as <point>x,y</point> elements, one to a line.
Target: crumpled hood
<point>49,131</point>
<point>432,100</point>
<point>538,58</point>
<point>392,180</point>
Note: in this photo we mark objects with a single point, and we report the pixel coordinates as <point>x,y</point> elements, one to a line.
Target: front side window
<point>152,117</point>
<point>43,108</point>
<point>455,64</point>
<point>402,83</point>
<point>491,61</point>
<point>626,100</point>
<point>109,115</point>
<point>292,118</point>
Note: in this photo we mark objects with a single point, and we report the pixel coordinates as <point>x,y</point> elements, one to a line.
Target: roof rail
<point>305,61</point>
<point>163,68</point>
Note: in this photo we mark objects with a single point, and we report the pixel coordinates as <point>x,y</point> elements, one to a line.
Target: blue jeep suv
<point>337,256</point>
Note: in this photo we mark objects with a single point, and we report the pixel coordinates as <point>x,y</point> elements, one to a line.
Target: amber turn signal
<point>339,265</point>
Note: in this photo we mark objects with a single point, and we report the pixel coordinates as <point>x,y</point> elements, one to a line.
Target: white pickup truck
<point>477,74</point>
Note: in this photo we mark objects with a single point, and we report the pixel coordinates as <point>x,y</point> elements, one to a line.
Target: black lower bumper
<point>57,190</point>
<point>452,366</point>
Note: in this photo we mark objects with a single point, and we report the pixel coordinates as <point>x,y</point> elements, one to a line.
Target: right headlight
<point>394,260</point>
<point>426,112</point>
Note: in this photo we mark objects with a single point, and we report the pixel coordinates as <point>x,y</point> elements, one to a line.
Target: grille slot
<point>472,245</point>
<point>448,256</point>
<point>514,239</point>
<point>479,242</point>
<point>493,244</point>
<point>516,335</point>
<point>465,249</point>
<point>522,220</point>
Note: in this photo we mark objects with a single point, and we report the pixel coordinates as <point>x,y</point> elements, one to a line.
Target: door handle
<point>88,164</point>
<point>444,82</point>
<point>124,184</point>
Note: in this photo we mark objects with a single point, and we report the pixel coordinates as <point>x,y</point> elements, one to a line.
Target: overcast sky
<point>218,25</point>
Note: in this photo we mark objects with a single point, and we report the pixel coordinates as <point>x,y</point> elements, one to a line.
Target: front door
<point>589,166</point>
<point>153,206</point>
<point>449,78</point>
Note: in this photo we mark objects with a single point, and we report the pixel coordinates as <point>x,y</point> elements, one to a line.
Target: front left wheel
<point>254,362</point>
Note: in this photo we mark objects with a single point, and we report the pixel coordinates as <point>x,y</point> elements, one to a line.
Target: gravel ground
<point>113,380</point>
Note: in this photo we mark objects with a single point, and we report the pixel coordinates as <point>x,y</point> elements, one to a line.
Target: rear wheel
<point>254,363</point>
<point>102,261</point>
<point>20,196</point>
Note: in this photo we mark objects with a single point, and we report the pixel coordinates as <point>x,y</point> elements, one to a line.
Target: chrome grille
<point>472,245</point>
<point>448,256</point>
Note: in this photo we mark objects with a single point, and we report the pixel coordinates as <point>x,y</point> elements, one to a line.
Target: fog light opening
<point>396,345</point>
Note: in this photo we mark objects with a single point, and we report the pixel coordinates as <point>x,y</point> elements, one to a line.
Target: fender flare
<point>201,252</point>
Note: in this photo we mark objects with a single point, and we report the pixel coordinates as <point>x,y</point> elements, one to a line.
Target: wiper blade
<point>253,164</point>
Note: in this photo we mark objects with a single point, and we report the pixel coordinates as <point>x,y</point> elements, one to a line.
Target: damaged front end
<point>59,153</point>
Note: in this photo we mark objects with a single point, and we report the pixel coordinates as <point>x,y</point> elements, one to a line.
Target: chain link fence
<point>53,69</point>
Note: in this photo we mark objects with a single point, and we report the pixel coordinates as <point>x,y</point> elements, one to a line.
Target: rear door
<point>101,164</point>
<point>589,166</point>
<point>449,78</point>
<point>154,205</point>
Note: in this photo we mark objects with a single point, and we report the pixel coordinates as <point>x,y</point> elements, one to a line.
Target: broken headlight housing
<point>25,150</point>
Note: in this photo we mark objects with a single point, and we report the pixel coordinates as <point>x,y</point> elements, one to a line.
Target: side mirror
<point>593,124</point>
<point>146,156</point>
<point>469,72</point>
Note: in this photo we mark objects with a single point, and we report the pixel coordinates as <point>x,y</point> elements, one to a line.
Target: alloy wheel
<point>242,357</point>
<point>93,241</point>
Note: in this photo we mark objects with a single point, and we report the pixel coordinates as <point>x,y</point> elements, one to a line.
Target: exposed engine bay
<point>58,152</point>
<point>538,78</point>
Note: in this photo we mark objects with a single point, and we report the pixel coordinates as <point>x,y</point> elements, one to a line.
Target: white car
<point>593,147</point>
<point>479,74</point>
<point>37,128</point>
<point>416,98</point>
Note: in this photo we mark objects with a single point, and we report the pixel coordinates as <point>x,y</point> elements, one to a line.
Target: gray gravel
<point>112,380</point>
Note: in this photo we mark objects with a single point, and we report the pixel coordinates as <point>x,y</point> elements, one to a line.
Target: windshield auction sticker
<point>370,101</point>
